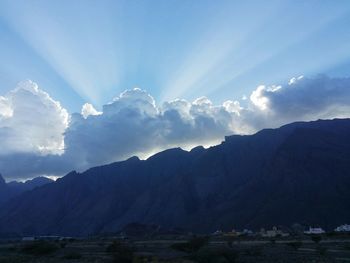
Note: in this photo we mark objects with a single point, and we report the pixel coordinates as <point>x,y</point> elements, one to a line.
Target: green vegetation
<point>63,244</point>
<point>72,255</point>
<point>218,255</point>
<point>15,259</point>
<point>322,250</point>
<point>121,252</point>
<point>295,244</point>
<point>255,251</point>
<point>159,250</point>
<point>39,248</point>
<point>200,251</point>
<point>230,241</point>
<point>316,238</point>
<point>192,245</point>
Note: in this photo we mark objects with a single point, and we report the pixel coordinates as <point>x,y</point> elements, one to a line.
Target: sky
<point>85,83</point>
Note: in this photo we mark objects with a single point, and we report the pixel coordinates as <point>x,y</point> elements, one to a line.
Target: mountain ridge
<point>298,173</point>
<point>14,188</point>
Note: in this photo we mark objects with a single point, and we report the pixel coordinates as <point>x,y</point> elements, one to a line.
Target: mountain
<point>14,188</point>
<point>2,181</point>
<point>3,191</point>
<point>29,184</point>
<point>299,173</point>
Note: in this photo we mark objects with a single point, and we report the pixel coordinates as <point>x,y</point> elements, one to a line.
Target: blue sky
<point>205,69</point>
<point>90,51</point>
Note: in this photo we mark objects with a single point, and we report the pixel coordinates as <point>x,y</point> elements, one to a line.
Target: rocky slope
<point>297,173</point>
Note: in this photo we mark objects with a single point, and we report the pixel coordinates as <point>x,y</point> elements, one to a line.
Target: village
<point>282,231</point>
<point>151,244</point>
<point>274,232</point>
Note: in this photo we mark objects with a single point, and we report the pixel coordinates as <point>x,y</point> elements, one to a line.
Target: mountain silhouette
<point>14,188</point>
<point>299,173</point>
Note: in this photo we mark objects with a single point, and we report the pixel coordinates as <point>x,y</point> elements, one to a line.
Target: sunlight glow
<point>89,63</point>
<point>173,50</point>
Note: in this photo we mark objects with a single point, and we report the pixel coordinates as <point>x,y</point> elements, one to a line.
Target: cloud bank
<point>31,122</point>
<point>302,99</point>
<point>40,137</point>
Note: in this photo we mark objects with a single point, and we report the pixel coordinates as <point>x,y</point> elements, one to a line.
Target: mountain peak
<point>197,149</point>
<point>196,192</point>
<point>133,159</point>
<point>38,181</point>
<point>2,180</point>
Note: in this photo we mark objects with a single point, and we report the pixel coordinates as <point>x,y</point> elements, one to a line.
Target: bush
<point>316,238</point>
<point>121,252</point>
<point>72,255</point>
<point>230,241</point>
<point>219,255</point>
<point>322,250</point>
<point>192,245</point>
<point>347,247</point>
<point>295,244</point>
<point>14,259</point>
<point>63,244</point>
<point>39,248</point>
<point>255,251</point>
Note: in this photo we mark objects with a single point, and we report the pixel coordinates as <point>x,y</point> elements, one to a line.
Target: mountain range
<point>298,173</point>
<point>14,188</point>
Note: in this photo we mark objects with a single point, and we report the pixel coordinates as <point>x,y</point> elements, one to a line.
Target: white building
<point>247,232</point>
<point>343,228</point>
<point>217,233</point>
<point>274,232</point>
<point>28,239</point>
<point>314,231</point>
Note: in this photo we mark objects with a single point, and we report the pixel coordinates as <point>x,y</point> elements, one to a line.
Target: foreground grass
<point>191,250</point>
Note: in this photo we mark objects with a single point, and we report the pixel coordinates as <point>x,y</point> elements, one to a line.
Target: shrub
<point>255,251</point>
<point>295,244</point>
<point>72,255</point>
<point>121,252</point>
<point>63,244</point>
<point>192,245</point>
<point>219,255</point>
<point>322,250</point>
<point>39,248</point>
<point>316,238</point>
<point>230,241</point>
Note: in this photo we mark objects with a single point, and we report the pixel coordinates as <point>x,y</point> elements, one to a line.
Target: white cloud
<point>302,99</point>
<point>5,108</point>
<point>133,124</point>
<point>88,110</point>
<point>232,106</point>
<point>259,98</point>
<point>31,121</point>
<point>294,80</point>
<point>34,127</point>
<point>135,99</point>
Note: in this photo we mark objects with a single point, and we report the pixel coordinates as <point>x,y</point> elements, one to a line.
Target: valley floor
<point>177,249</point>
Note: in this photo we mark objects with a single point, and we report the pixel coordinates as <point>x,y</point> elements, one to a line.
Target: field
<point>179,249</point>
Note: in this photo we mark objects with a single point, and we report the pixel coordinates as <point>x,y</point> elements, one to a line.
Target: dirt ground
<point>97,250</point>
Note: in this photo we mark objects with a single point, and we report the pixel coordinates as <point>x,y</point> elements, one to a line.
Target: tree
<point>192,245</point>
<point>121,252</point>
<point>316,238</point>
<point>295,244</point>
